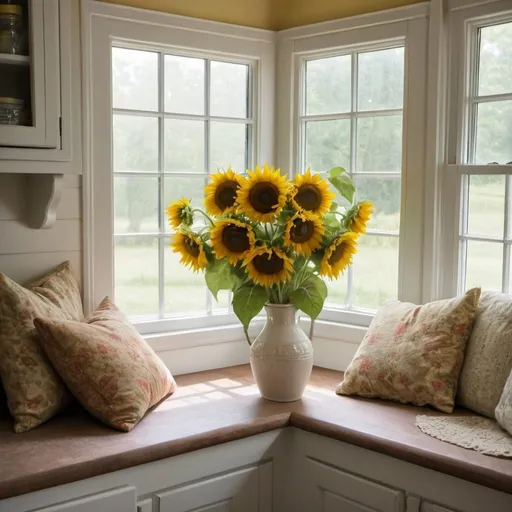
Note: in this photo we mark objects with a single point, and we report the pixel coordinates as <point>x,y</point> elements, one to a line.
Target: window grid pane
<point>329,137</point>
<point>177,159</point>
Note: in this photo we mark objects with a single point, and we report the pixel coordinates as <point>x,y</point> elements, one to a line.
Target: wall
<point>28,253</point>
<point>268,14</point>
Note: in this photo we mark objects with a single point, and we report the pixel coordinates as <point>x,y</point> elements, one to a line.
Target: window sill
<point>325,330</point>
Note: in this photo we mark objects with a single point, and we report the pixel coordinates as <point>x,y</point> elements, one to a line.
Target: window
<point>176,118</point>
<point>485,156</point>
<point>352,115</point>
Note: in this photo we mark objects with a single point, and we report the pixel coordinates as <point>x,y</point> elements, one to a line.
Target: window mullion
<point>506,247</point>
<point>207,149</point>
<point>161,197</point>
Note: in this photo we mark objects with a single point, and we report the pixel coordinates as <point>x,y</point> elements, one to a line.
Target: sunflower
<point>268,265</point>
<point>338,256</point>
<point>190,247</point>
<point>220,193</point>
<point>360,217</point>
<point>312,193</point>
<point>263,195</point>
<point>304,233</point>
<point>232,239</point>
<point>180,212</point>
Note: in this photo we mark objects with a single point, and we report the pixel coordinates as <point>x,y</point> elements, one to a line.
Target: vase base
<point>281,400</point>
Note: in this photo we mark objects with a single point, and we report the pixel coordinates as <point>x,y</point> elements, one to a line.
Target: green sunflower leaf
<point>310,296</point>
<point>219,275</point>
<point>343,183</point>
<point>334,207</point>
<point>248,301</point>
<point>336,171</point>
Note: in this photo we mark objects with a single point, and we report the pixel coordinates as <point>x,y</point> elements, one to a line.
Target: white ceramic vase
<point>281,356</point>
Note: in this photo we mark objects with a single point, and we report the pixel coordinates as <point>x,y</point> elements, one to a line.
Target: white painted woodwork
<point>145,505</point>
<point>117,500</point>
<point>281,471</point>
<point>231,492</point>
<point>362,493</point>
<point>44,56</point>
<point>430,507</point>
<point>44,192</point>
<point>57,99</point>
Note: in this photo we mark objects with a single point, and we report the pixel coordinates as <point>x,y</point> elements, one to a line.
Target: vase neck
<point>281,314</point>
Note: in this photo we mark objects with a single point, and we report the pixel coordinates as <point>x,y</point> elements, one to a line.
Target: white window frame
<point>105,26</point>
<point>465,18</point>
<point>407,27</point>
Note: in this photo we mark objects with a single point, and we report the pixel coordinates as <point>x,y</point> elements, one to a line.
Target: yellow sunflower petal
<point>338,256</point>
<point>220,194</point>
<point>232,239</point>
<point>267,266</point>
<point>174,212</point>
<point>263,195</point>
<point>360,220</point>
<point>312,193</point>
<point>190,247</point>
<point>304,232</point>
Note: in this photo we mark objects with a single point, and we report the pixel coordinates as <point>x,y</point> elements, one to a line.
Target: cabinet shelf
<point>16,60</point>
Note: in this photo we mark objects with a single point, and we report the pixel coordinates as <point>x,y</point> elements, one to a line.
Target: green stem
<point>204,215</point>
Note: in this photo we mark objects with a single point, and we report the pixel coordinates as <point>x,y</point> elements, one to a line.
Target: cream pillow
<point>34,390</point>
<point>107,365</point>
<point>488,359</point>
<point>413,353</point>
<point>504,408</point>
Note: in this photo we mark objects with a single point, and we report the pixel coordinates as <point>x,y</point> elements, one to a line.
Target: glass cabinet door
<point>29,73</point>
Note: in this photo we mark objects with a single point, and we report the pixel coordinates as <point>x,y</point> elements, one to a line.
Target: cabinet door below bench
<point>231,492</point>
<point>123,499</point>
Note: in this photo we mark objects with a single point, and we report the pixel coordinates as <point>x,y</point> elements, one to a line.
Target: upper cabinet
<point>40,86</point>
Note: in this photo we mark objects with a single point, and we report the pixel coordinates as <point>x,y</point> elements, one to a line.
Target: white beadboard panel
<point>333,354</point>
<point>70,206</point>
<point>27,267</point>
<point>17,238</point>
<point>12,196</point>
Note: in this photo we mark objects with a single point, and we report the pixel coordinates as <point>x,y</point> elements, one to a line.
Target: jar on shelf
<point>11,29</point>
<point>11,111</point>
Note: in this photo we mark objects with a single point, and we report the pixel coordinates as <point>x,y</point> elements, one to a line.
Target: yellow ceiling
<point>269,14</point>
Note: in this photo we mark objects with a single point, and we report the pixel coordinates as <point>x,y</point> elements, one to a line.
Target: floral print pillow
<point>33,389</point>
<point>413,353</point>
<point>107,365</point>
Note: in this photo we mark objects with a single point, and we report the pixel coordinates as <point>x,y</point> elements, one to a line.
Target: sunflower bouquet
<point>269,239</point>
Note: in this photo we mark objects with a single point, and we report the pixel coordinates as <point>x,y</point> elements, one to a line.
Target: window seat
<point>220,406</point>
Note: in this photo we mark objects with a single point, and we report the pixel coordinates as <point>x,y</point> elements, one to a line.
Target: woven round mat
<point>472,432</point>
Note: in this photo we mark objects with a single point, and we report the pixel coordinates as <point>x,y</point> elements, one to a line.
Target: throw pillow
<point>504,408</point>
<point>488,359</point>
<point>34,390</point>
<point>107,365</point>
<point>413,353</point>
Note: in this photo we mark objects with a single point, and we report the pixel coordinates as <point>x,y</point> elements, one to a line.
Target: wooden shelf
<point>16,60</point>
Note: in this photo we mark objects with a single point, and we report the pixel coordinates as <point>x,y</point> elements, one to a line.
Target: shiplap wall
<point>26,253</point>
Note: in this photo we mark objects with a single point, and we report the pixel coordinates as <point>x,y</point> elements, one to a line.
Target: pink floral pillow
<point>33,389</point>
<point>107,365</point>
<point>413,353</point>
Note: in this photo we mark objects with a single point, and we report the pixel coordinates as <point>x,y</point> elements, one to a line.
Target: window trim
<point>107,25</point>
<point>464,20</point>
<point>410,28</point>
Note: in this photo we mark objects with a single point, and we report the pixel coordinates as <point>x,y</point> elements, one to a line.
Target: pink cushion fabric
<point>107,365</point>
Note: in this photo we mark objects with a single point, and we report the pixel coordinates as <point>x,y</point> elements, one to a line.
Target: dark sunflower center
<point>225,195</point>
<point>264,197</point>
<point>236,238</point>
<point>301,231</point>
<point>266,265</point>
<point>308,197</point>
<point>336,254</point>
<point>192,247</point>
